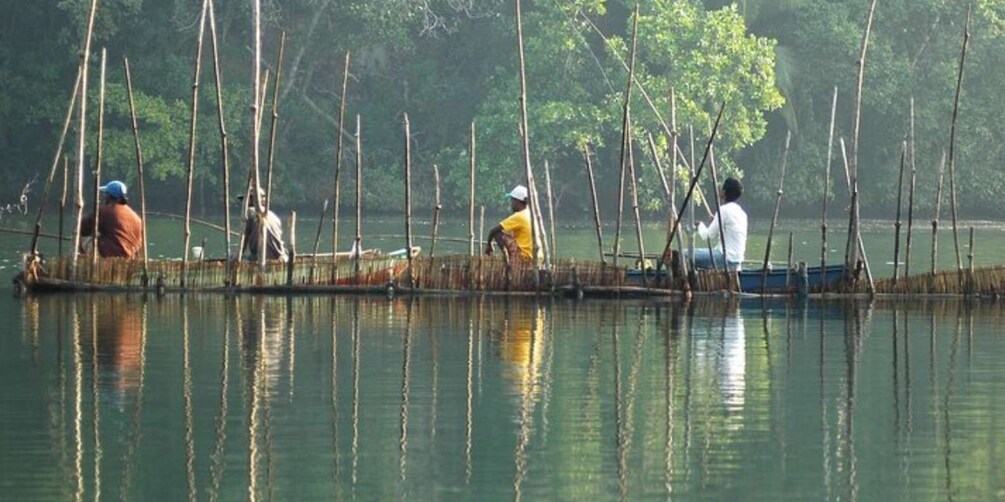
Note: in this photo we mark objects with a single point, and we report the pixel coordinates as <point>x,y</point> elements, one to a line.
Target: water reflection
<point>267,397</point>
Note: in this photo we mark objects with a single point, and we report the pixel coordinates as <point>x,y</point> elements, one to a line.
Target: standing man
<point>733,219</point>
<point>273,228</point>
<point>120,229</point>
<point>513,234</point>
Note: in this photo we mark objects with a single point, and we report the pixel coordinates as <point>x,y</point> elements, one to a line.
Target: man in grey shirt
<point>273,228</point>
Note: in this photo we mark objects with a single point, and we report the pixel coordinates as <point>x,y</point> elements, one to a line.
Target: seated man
<point>120,229</point>
<point>734,230</point>
<point>273,228</point>
<point>513,234</point>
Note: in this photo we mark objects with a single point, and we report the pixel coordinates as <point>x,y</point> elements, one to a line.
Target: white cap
<point>519,193</point>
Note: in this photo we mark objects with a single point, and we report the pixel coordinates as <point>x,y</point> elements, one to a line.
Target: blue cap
<point>115,190</point>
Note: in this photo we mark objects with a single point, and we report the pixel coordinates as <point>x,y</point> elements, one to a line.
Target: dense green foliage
<point>449,62</point>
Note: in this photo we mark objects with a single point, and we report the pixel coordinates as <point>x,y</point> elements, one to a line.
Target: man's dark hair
<point>732,189</point>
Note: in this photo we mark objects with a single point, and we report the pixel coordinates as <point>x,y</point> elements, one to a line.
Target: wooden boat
<point>799,280</point>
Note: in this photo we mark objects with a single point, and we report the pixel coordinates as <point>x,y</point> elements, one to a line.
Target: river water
<point>316,397</point>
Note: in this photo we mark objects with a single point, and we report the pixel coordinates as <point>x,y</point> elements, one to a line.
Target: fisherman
<point>273,227</point>
<point>120,229</point>
<point>513,234</point>
<point>734,231</point>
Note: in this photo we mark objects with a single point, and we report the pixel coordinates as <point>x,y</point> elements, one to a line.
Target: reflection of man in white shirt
<point>733,219</point>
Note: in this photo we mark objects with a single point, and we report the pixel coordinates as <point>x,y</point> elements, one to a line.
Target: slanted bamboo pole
<point>715,198</point>
<point>896,235</point>
<point>82,136</point>
<point>859,245</point>
<point>596,204</point>
<point>659,165</point>
<point>774,215</point>
<point>436,210</point>
<point>98,158</point>
<point>408,200</point>
<point>358,242</point>
<point>910,198</point>
<point>317,237</point>
<point>525,131</point>
<point>856,121</point>
<point>471,193</point>
<point>62,205</point>
<point>273,129</point>
<point>138,147</point>
<point>222,126</point>
<point>936,215</point>
<point>952,142</point>
<point>190,168</point>
<point>52,172</point>
<point>338,157</point>
<point>826,191</point>
<point>626,124</point>
<point>551,208</point>
<point>694,182</point>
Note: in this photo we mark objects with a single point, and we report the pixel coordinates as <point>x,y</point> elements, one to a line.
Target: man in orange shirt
<point>120,229</point>
<point>513,234</point>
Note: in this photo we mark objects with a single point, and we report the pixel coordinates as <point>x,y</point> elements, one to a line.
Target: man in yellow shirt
<point>513,234</point>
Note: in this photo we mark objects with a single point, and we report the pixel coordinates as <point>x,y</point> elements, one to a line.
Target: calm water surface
<point>209,397</point>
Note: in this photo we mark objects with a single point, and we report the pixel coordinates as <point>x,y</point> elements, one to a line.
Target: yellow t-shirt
<point>518,225</point>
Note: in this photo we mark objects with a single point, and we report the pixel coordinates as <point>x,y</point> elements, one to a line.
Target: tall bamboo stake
<point>691,169</point>
<point>540,234</point>
<point>273,130</point>
<point>635,208</point>
<point>938,211</point>
<point>715,198</point>
<point>222,126</point>
<point>408,200</point>
<point>338,156</point>
<point>82,136</point>
<point>672,215</point>
<point>896,235</point>
<point>952,141</point>
<point>293,247</point>
<point>62,204</point>
<point>551,208</point>
<point>471,193</point>
<point>256,126</point>
<point>694,182</point>
<point>358,242</point>
<point>774,215</point>
<point>98,157</point>
<point>190,168</point>
<point>859,244</point>
<point>317,237</point>
<point>596,203</point>
<point>481,225</point>
<point>826,191</point>
<point>525,131</point>
<point>52,171</point>
<point>436,210</point>
<point>626,124</point>
<point>910,199</point>
<point>138,147</point>
<point>856,121</point>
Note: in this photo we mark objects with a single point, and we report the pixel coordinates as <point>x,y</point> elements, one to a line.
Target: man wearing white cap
<point>120,229</point>
<point>273,228</point>
<point>513,234</point>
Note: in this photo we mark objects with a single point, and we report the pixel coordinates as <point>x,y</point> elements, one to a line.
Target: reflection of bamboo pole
<point>337,471</point>
<point>187,403</point>
<point>78,412</point>
<point>138,147</point>
<point>405,392</point>
<point>338,156</point>
<point>355,394</point>
<point>190,167</point>
<point>82,136</point>
<point>469,407</point>
<point>217,457</point>
<point>596,203</point>
<point>96,402</point>
<point>97,160</point>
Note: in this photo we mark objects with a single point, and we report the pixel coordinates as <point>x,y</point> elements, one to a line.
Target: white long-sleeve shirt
<point>734,229</point>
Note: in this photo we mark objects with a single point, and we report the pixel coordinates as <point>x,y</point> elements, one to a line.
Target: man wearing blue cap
<point>120,229</point>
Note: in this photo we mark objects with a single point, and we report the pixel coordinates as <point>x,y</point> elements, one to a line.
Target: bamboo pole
<point>358,241</point>
<point>774,215</point>
<point>62,205</point>
<point>788,262</point>
<point>540,234</point>
<point>222,126</point>
<point>275,120</point>
<point>338,156</point>
<point>856,121</point>
<point>408,200</point>
<point>952,141</point>
<point>635,208</point>
<point>596,203</point>
<point>859,243</point>
<point>659,165</point>
<point>626,124</point>
<point>256,126</point>
<point>293,246</point>
<point>672,216</point>
<point>897,224</point>
<point>82,137</point>
<point>52,172</point>
<point>910,198</point>
<point>970,261</point>
<point>138,147</point>
<point>190,168</point>
<point>437,207</point>
<point>691,209</point>
<point>715,198</point>
<point>551,209</point>
<point>98,157</point>
<point>471,193</point>
<point>317,237</point>
<point>481,226</point>
<point>694,182</point>
<point>938,211</point>
<point>525,132</point>
<point>826,191</point>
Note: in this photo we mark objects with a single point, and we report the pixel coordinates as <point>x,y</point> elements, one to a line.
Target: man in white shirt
<point>734,231</point>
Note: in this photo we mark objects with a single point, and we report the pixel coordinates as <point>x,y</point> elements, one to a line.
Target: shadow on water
<point>278,397</point>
